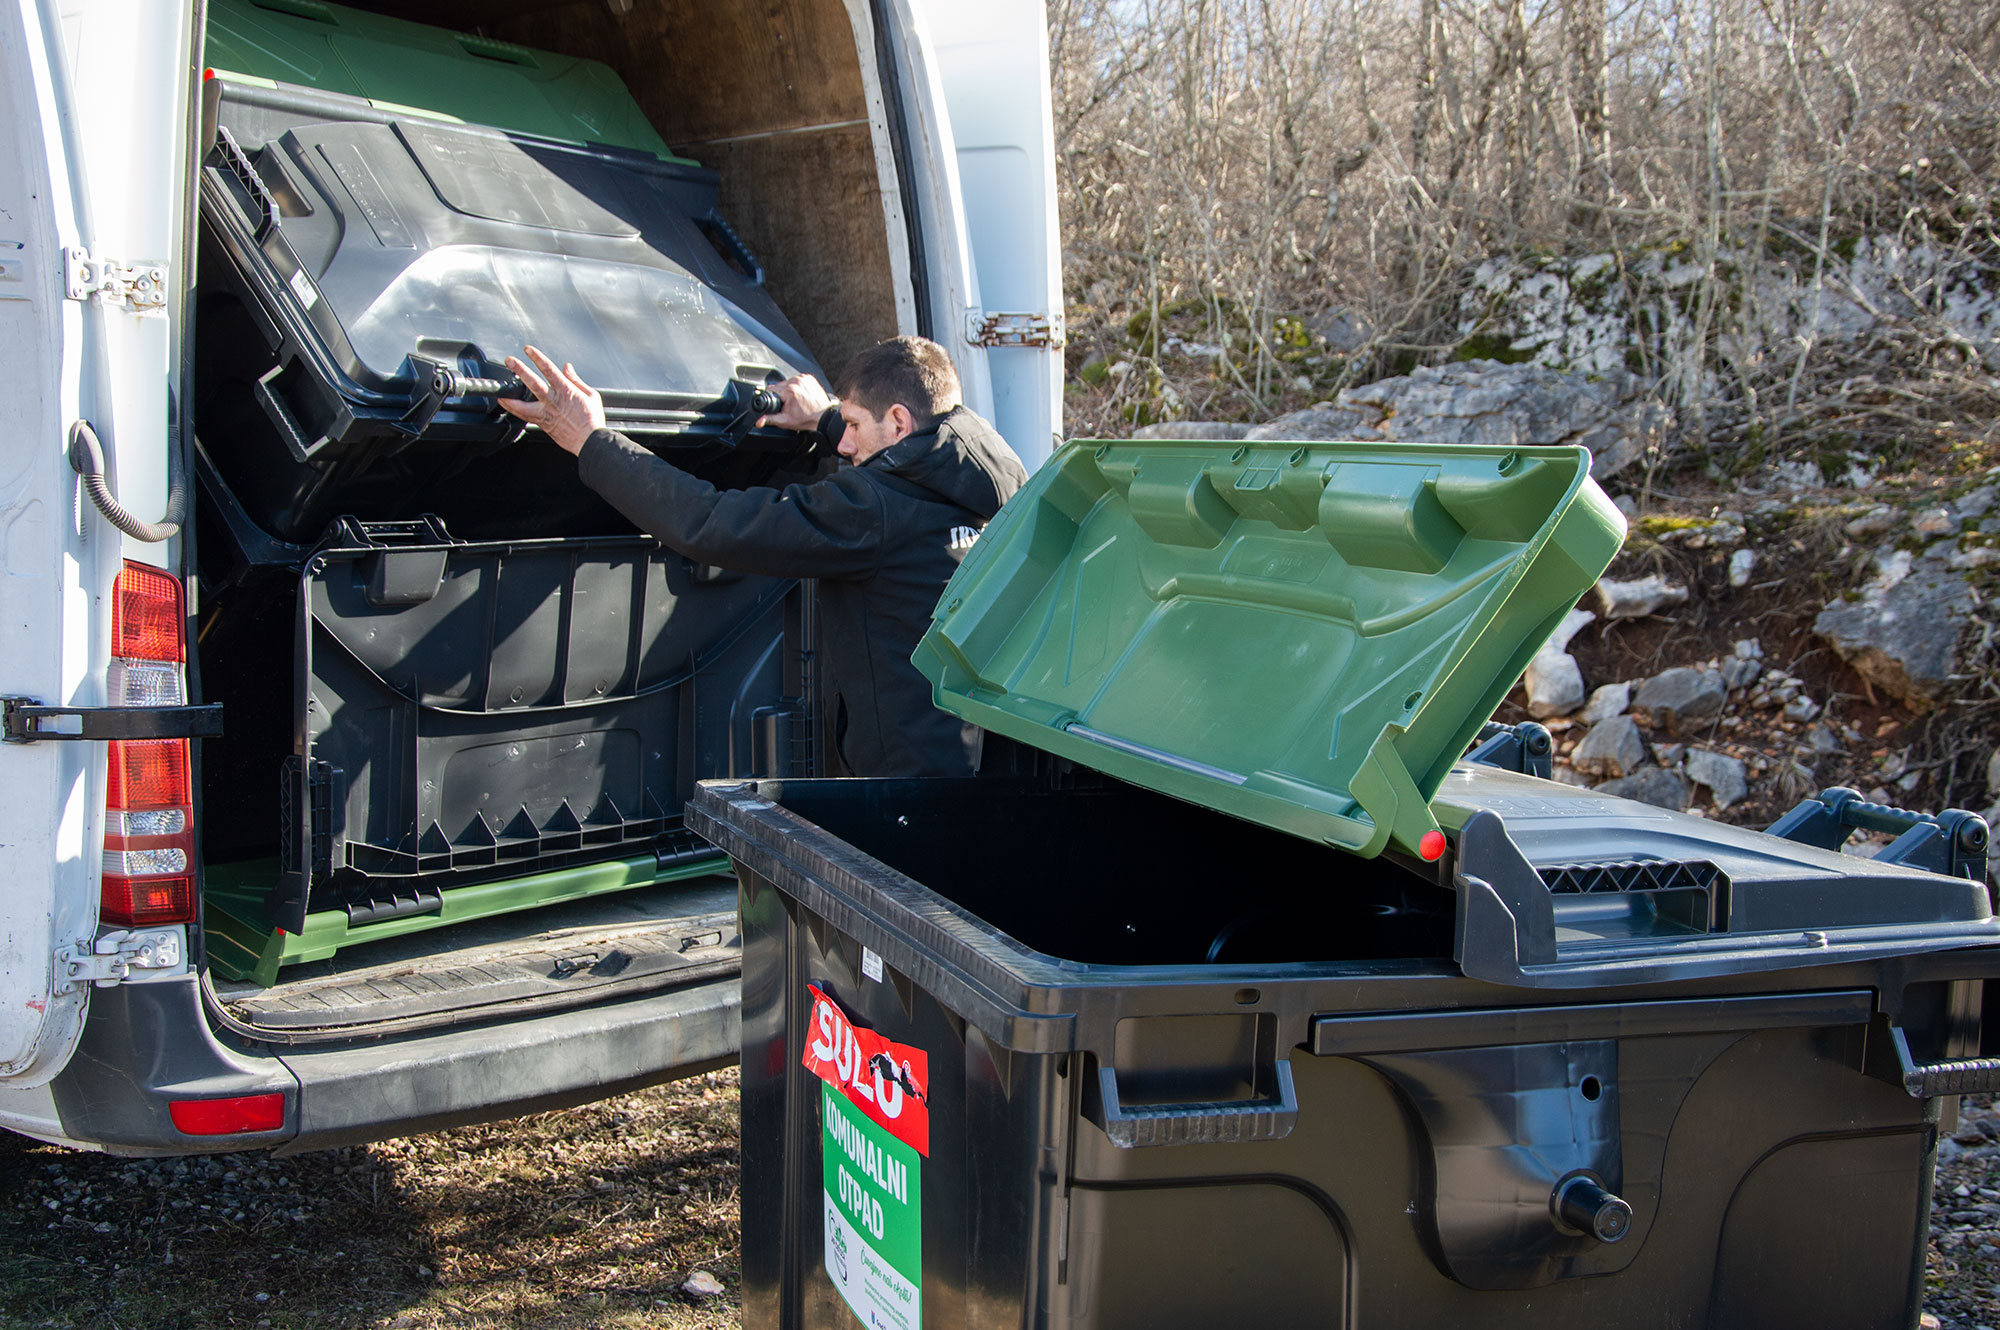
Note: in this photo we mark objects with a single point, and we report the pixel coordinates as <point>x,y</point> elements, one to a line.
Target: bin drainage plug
<point>1582,1208</point>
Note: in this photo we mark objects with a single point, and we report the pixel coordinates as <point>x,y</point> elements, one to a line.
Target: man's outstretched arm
<point>830,529</point>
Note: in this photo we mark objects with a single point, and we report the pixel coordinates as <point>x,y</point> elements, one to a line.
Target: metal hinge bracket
<point>983,329</point>
<point>111,961</point>
<point>139,287</point>
<point>24,720</point>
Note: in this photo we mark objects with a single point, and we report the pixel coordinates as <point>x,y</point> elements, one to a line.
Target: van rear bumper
<point>147,1045</point>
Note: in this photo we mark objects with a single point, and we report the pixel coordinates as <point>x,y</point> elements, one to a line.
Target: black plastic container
<point>1176,1069</point>
<point>364,269</point>
<point>468,710</point>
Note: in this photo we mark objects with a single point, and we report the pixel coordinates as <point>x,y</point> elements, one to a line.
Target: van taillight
<point>148,790</point>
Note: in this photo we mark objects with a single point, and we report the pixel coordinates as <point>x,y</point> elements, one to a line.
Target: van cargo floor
<point>586,950</point>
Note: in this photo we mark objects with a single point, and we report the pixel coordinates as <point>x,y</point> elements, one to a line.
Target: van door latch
<point>983,329</point>
<point>139,287</point>
<point>115,955</point>
<point>26,721</point>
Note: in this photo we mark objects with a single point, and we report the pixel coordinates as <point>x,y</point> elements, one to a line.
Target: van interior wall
<point>771,97</point>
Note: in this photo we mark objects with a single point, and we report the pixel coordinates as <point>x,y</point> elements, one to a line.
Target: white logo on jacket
<point>962,538</point>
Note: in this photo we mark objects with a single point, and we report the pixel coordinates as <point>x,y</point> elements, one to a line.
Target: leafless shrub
<point>1234,168</point>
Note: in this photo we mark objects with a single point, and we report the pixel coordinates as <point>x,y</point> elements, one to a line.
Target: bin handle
<point>1929,1080</point>
<point>238,164</point>
<point>1226,1122</point>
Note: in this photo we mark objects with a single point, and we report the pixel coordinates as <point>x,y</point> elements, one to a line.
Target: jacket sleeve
<point>831,528</point>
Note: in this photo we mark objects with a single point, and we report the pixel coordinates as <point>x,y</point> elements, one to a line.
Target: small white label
<point>871,965</point>
<point>303,288</point>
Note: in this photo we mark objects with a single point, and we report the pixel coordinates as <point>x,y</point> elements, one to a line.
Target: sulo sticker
<point>875,1135</point>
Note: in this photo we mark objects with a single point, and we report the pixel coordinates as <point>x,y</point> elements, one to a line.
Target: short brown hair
<point>912,370</point>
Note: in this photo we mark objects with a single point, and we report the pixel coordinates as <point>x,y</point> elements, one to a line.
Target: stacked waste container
<point>495,677</point>
<point>1287,992</point>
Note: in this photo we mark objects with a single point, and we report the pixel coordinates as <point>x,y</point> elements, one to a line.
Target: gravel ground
<point>619,1214</point>
<point>1963,1280</point>
<point>600,1216</point>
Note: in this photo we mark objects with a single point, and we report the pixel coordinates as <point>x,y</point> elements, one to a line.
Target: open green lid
<point>404,66</point>
<point>1303,635</point>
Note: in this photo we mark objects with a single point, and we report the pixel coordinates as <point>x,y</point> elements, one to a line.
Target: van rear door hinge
<point>23,720</point>
<point>111,961</point>
<point>139,287</point>
<point>983,329</point>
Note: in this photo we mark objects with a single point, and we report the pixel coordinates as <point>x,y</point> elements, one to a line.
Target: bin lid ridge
<point>1305,635</point>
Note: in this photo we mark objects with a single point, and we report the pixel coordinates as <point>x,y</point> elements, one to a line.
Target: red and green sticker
<point>875,1135</point>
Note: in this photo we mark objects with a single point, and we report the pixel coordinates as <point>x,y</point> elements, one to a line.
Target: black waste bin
<point>1271,1012</point>
<point>1051,1054</point>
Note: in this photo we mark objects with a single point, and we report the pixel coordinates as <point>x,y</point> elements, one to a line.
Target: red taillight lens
<point>146,617</point>
<point>141,902</point>
<point>148,787</point>
<point>226,1117</point>
<point>147,773</point>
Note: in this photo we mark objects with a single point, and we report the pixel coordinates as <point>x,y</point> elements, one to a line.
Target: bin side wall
<point>1766,1172</point>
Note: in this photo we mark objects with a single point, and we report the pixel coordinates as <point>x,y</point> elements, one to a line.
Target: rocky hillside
<point>1763,635</point>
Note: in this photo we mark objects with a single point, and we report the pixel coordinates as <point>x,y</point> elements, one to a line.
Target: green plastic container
<point>448,75</point>
<point>1303,635</point>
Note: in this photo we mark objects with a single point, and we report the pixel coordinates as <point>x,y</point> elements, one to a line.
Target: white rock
<point>1725,776</point>
<point>1610,700</point>
<point>1935,522</point>
<point>1748,648</point>
<point>1801,709</point>
<point>702,1284</point>
<point>1612,748</point>
<point>1639,597</point>
<point>1877,521</point>
<point>1555,684</point>
<point>1573,623</point>
<point>1741,565</point>
<point>1739,673</point>
<point>1720,533</point>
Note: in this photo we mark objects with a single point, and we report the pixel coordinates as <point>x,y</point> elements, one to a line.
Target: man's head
<point>892,390</point>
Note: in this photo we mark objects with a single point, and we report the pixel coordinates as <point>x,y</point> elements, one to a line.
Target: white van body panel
<point>949,282</point>
<point>96,156</point>
<point>991,60</point>
<point>99,82</point>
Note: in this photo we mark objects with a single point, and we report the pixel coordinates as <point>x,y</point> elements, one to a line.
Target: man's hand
<point>805,402</point>
<point>565,407</point>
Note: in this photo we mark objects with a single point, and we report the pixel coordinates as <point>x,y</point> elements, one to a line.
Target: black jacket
<point>882,538</point>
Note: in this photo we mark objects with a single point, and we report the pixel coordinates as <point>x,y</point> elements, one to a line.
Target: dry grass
<point>591,1217</point>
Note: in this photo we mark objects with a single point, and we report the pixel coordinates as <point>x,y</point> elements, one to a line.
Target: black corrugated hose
<point>86,458</point>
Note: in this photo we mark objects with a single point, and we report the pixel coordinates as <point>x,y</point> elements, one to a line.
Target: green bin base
<point>243,943</point>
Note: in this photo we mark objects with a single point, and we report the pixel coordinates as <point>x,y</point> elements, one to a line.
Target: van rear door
<point>981,162</point>
<point>992,60</point>
<point>93,99</point>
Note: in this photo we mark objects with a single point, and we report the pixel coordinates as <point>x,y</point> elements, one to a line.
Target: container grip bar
<point>723,236</point>
<point>1229,1122</point>
<point>1928,1080</point>
<point>238,163</point>
<point>1953,842</point>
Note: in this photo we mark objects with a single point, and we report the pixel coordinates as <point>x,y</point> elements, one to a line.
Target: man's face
<point>868,433</point>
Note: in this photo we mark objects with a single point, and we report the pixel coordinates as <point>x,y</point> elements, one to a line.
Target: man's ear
<point>901,422</point>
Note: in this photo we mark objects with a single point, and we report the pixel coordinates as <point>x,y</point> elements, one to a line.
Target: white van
<point>336,813</point>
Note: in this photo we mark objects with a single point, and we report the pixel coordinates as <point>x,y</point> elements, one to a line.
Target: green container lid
<point>403,66</point>
<point>1303,635</point>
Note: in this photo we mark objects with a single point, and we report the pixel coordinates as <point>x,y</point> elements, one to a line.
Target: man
<point>883,535</point>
